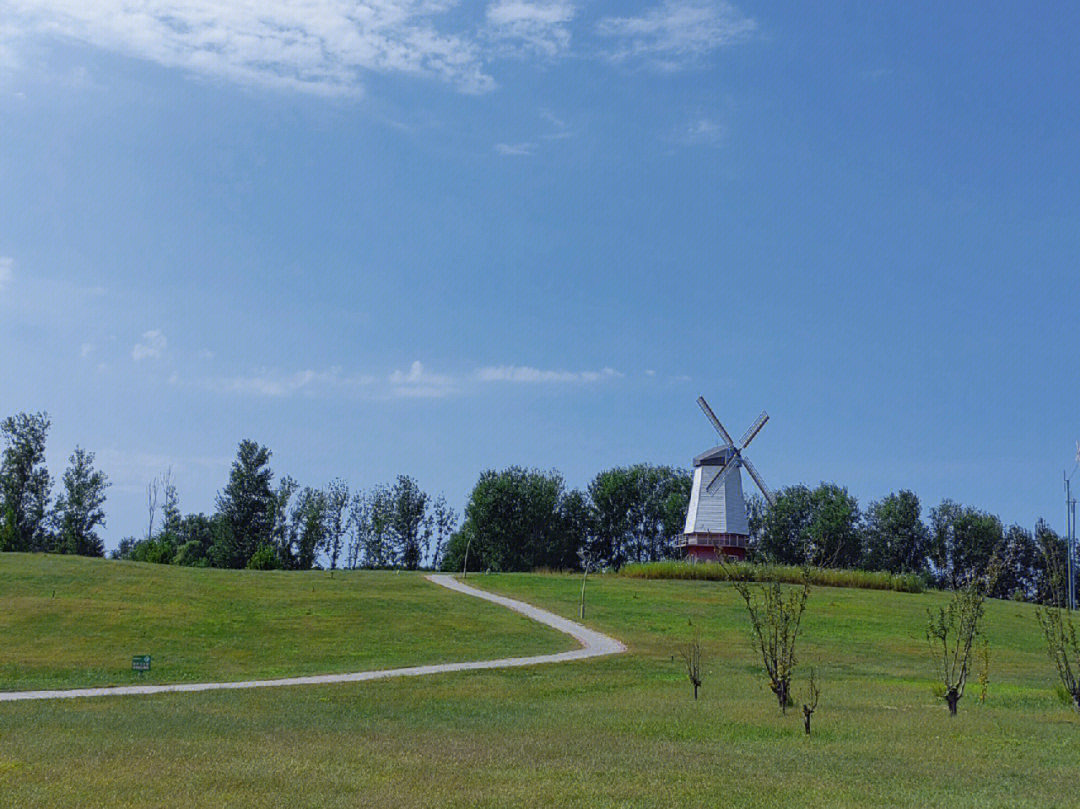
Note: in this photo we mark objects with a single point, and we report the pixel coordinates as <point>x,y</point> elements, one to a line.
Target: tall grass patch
<point>791,574</point>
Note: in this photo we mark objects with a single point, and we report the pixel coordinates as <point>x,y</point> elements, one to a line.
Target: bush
<point>157,551</point>
<point>264,558</point>
<point>191,554</point>
<point>790,574</point>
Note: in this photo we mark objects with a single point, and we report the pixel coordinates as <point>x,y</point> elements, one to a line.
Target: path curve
<point>593,644</point>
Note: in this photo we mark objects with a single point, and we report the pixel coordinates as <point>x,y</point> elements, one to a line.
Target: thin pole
<point>1068,546</point>
<point>1072,544</point>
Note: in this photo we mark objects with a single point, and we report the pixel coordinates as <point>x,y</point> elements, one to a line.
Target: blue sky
<point>436,237</point>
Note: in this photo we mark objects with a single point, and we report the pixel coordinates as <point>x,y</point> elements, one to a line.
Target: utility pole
<point>1072,544</point>
<point>1070,532</point>
<point>1068,546</point>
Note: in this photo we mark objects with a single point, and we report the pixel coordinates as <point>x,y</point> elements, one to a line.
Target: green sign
<point>140,663</point>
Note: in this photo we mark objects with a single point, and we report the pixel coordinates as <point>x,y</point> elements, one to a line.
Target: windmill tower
<point>716,524</point>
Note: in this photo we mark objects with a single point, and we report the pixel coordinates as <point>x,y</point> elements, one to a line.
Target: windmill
<point>716,523</point>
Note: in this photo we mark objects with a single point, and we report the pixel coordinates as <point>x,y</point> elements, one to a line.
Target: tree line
<point>260,524</point>
<point>955,545</point>
<point>514,519</point>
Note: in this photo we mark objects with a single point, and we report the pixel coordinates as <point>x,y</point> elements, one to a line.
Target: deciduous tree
<point>25,484</point>
<point>79,509</point>
<point>897,539</point>
<point>955,630</point>
<point>775,616</point>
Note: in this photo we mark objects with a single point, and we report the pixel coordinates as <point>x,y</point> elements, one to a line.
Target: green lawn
<point>68,622</point>
<point>613,732</point>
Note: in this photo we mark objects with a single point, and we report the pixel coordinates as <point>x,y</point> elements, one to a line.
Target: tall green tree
<point>170,509</point>
<point>1021,565</point>
<point>821,526</point>
<point>963,543</point>
<point>410,523</point>
<point>247,506</point>
<point>784,527</point>
<point>79,509</point>
<point>308,528</point>
<point>835,530</point>
<point>897,539</point>
<point>369,529</point>
<point>513,521</point>
<point>639,510</point>
<point>337,517</point>
<point>25,484</point>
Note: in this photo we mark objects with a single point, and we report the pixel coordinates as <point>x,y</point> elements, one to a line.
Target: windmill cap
<point>717,456</point>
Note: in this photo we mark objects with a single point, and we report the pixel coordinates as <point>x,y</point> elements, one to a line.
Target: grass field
<point>68,622</point>
<point>622,731</point>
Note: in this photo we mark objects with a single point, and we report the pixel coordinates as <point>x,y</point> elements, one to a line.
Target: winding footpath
<point>593,644</point>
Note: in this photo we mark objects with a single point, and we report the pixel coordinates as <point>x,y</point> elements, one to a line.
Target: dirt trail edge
<point>593,644</point>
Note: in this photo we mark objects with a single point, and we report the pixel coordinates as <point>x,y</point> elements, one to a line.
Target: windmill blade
<point>723,474</point>
<point>757,479</point>
<point>753,430</point>
<point>715,421</point>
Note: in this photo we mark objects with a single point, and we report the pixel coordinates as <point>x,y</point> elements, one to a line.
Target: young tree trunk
<point>695,690</point>
<point>806,721</point>
<point>952,698</point>
<point>583,578</point>
<point>782,696</point>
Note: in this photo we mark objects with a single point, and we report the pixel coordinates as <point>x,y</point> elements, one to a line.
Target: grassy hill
<point>69,622</point>
<point>621,731</point>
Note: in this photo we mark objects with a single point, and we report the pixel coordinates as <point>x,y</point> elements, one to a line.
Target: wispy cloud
<point>515,149</point>
<point>278,384</point>
<point>6,265</point>
<point>330,47</point>
<point>415,382</point>
<point>701,132</point>
<point>525,373</point>
<point>151,346</point>
<point>527,27</point>
<point>676,33</point>
<point>418,382</point>
<point>322,46</point>
<point>86,349</point>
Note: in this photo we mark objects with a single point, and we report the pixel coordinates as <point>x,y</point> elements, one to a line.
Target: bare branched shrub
<point>954,632</point>
<point>691,657</point>
<point>813,693</point>
<point>1058,628</point>
<point>775,618</point>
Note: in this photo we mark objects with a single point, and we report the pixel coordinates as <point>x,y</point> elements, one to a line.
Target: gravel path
<point>593,644</point>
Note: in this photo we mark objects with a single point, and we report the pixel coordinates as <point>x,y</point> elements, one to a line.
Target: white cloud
<point>524,373</point>
<point>677,32</point>
<point>86,349</point>
<point>526,27</point>
<point>418,382</point>
<point>330,47</point>
<point>6,265</point>
<point>702,132</point>
<point>515,149</point>
<point>277,384</point>
<point>321,46</point>
<point>152,346</point>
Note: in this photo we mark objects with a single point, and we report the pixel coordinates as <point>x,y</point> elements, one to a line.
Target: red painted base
<point>709,553</point>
